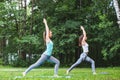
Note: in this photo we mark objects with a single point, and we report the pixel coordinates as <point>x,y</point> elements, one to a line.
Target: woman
<point>83,56</point>
<point>47,54</point>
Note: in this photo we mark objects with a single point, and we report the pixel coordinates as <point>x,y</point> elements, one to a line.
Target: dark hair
<point>80,39</point>
<point>44,36</point>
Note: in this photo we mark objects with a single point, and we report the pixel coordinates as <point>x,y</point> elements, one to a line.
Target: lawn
<point>47,74</point>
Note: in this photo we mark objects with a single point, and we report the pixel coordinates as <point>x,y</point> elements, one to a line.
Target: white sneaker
<point>94,73</point>
<point>67,72</point>
<point>55,75</point>
<point>23,74</point>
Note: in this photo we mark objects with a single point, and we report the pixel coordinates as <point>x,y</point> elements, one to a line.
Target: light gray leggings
<point>42,59</point>
<point>83,57</point>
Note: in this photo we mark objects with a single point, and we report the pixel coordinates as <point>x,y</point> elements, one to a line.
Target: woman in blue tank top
<point>47,55</point>
<point>83,56</point>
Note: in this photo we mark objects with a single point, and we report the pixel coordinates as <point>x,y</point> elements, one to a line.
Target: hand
<point>82,27</point>
<point>44,20</point>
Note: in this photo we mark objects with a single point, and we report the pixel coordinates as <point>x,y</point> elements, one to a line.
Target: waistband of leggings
<point>85,52</point>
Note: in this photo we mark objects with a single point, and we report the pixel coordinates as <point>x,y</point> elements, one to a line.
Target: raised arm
<point>47,30</point>
<point>84,33</point>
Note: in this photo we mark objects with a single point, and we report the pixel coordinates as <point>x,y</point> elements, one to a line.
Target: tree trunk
<point>116,6</point>
<point>31,27</point>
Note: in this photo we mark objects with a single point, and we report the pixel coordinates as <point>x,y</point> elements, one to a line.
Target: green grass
<point>9,73</point>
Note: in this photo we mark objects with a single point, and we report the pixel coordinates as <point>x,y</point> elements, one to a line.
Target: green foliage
<point>67,35</point>
<point>19,62</point>
<point>107,37</point>
<point>30,39</point>
<point>1,23</point>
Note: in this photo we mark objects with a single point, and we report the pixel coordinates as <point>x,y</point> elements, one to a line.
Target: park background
<point>21,31</point>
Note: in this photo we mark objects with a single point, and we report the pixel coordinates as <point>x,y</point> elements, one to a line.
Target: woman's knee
<point>92,61</point>
<point>58,62</point>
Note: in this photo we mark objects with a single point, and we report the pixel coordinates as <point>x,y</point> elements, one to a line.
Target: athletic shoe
<point>94,73</point>
<point>55,75</point>
<point>23,74</point>
<point>67,72</point>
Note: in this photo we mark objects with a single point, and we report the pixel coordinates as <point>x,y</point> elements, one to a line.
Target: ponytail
<point>80,40</point>
<point>44,37</point>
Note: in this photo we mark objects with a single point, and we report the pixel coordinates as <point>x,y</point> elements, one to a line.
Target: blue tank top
<point>49,48</point>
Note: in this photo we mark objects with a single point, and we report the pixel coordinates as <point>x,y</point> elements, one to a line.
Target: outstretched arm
<point>84,33</point>
<point>47,30</point>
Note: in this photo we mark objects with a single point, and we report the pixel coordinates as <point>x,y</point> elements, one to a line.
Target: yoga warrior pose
<point>83,56</point>
<point>47,54</point>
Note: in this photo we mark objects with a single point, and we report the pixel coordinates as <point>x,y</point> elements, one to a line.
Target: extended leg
<point>38,63</point>
<point>75,64</point>
<point>82,57</point>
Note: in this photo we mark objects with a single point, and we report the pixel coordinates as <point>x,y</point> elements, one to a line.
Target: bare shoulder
<point>48,40</point>
<point>83,43</point>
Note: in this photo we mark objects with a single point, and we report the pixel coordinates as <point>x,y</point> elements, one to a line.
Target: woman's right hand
<point>82,27</point>
<point>44,20</point>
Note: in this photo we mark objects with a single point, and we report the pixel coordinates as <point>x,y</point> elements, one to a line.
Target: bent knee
<point>58,62</point>
<point>93,62</point>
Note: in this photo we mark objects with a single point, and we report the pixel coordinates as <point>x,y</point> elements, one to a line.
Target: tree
<point>116,6</point>
<point>22,26</point>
